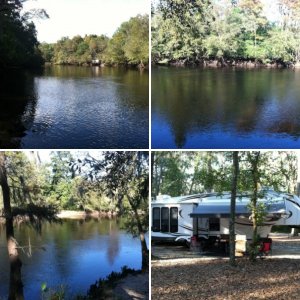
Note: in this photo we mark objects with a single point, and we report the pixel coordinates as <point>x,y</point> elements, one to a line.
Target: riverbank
<point>133,287</point>
<point>75,214</point>
<point>126,285</point>
<point>71,214</point>
<point>223,63</point>
<point>100,65</point>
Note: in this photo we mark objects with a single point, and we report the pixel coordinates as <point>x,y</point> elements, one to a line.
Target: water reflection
<point>225,108</point>
<point>75,107</point>
<point>18,106</point>
<point>75,254</point>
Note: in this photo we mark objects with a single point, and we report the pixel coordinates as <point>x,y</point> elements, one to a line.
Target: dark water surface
<point>76,254</point>
<point>225,108</point>
<point>74,107</point>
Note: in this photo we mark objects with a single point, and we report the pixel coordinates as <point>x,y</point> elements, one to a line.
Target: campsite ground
<point>179,274</point>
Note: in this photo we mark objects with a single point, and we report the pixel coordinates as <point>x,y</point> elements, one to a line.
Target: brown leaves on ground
<point>216,279</point>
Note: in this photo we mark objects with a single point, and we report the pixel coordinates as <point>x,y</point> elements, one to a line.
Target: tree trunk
<point>144,248</point>
<point>15,281</point>
<point>192,185</point>
<point>152,175</point>
<point>255,179</point>
<point>232,208</point>
<point>209,188</point>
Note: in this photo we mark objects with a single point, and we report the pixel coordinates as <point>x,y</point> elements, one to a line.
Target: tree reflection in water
<point>19,98</point>
<point>77,253</point>
<point>206,108</point>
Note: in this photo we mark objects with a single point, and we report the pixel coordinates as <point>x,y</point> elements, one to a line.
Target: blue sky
<point>72,17</point>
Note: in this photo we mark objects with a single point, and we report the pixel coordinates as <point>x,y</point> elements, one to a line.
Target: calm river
<point>74,107</point>
<point>225,108</point>
<point>75,254</point>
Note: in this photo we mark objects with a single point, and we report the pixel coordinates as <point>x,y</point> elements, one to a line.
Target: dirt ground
<point>133,287</point>
<point>179,274</point>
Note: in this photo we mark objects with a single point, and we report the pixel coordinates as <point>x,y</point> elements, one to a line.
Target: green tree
<point>189,32</point>
<point>136,48</point>
<point>129,46</point>
<point>127,176</point>
<point>130,43</point>
<point>179,28</point>
<point>18,42</point>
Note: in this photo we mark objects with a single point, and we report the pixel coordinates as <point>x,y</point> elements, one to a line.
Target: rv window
<point>173,219</point>
<point>214,224</point>
<point>165,219</point>
<point>156,219</point>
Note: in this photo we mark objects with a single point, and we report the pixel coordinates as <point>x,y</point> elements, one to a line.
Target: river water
<point>73,107</point>
<point>74,254</point>
<point>225,108</point>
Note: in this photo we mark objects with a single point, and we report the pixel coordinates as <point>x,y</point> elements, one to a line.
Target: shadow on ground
<point>215,279</point>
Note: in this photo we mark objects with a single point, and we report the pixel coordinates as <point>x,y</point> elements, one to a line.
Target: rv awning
<point>223,210</point>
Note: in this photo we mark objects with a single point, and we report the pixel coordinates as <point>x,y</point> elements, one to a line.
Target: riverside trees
<point>60,183</point>
<point>225,30</point>
<point>129,45</point>
<point>19,46</point>
<point>18,42</point>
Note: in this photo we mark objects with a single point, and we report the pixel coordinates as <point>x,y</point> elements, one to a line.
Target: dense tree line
<point>67,182</point>
<point>128,45</point>
<point>19,46</point>
<point>226,31</point>
<point>18,41</point>
<point>183,173</point>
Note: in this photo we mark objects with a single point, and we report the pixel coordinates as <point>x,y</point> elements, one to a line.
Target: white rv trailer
<point>207,215</point>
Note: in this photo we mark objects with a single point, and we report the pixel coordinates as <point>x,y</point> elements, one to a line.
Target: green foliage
<point>253,249</point>
<point>179,28</point>
<point>260,211</point>
<point>136,47</point>
<point>47,51</point>
<point>18,42</point>
<point>181,173</point>
<point>77,50</point>
<point>128,45</point>
<point>39,190</point>
<point>44,287</point>
<point>193,31</point>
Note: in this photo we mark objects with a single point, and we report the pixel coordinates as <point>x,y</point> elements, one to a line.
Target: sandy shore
<point>72,214</point>
<point>134,287</point>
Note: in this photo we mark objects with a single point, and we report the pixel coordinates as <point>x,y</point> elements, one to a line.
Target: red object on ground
<point>266,247</point>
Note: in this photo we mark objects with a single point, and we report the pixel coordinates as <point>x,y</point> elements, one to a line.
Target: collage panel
<point>95,95</point>
<point>74,81</point>
<point>225,74</point>
<point>74,225</point>
<point>225,224</point>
